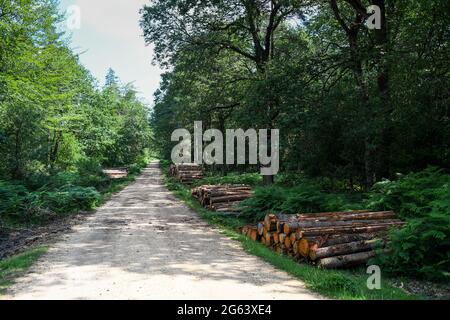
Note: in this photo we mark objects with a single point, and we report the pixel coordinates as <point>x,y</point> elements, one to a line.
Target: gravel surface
<point>146,244</point>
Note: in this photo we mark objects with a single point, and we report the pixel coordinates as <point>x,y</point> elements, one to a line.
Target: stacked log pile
<point>186,173</point>
<point>222,198</point>
<point>329,240</point>
<point>116,173</point>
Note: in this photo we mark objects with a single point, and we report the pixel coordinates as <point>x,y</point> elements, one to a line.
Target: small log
<point>303,247</point>
<point>383,215</point>
<point>295,247</point>
<point>328,214</point>
<point>270,222</point>
<point>260,228</point>
<point>346,261</point>
<point>280,226</point>
<point>293,238</point>
<point>276,238</point>
<point>343,249</point>
<point>293,226</point>
<point>282,237</point>
<point>232,198</point>
<point>346,238</point>
<point>287,242</point>
<point>269,239</point>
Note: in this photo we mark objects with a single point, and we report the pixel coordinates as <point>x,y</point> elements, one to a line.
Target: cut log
<point>293,237</point>
<point>346,261</point>
<point>360,216</point>
<point>327,214</point>
<point>229,210</point>
<point>233,192</point>
<point>303,247</point>
<point>310,232</point>
<point>343,249</point>
<point>232,198</point>
<point>280,226</point>
<point>270,222</point>
<point>287,242</point>
<point>260,228</point>
<point>293,226</point>
<point>282,237</point>
<point>289,227</point>
<point>269,239</point>
<point>346,238</point>
<point>295,247</point>
<point>252,233</point>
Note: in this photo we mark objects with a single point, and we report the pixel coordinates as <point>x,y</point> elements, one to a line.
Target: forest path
<point>146,244</point>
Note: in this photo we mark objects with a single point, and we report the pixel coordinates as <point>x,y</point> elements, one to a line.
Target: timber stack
<point>330,240</point>
<point>222,198</point>
<point>186,173</point>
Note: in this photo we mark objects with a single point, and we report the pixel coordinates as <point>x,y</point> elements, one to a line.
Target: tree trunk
<point>346,261</point>
<point>343,249</point>
<point>311,232</point>
<point>354,216</point>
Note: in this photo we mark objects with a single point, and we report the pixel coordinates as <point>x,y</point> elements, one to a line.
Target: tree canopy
<point>351,102</point>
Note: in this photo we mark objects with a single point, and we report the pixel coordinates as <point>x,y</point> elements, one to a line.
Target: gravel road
<point>146,244</point>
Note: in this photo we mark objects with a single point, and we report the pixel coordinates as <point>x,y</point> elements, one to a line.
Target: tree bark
<point>346,261</point>
<point>343,249</point>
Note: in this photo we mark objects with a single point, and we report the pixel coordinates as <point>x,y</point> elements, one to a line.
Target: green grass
<point>16,266</point>
<point>336,284</point>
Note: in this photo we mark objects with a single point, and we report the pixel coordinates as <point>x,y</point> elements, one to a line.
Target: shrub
<point>91,174</point>
<point>12,197</point>
<point>411,195</point>
<point>69,199</point>
<point>252,179</point>
<point>305,198</point>
<point>265,200</point>
<point>422,247</point>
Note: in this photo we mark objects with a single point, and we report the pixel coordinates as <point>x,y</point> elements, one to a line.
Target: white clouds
<point>111,35</point>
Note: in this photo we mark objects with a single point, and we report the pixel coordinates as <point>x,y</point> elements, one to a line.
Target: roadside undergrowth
<point>335,284</point>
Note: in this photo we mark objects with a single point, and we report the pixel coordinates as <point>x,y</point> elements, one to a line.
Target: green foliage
<point>69,199</point>
<point>412,195</point>
<point>351,110</point>
<point>57,127</point>
<point>330,283</point>
<point>12,197</point>
<point>306,197</point>
<point>422,247</point>
<point>265,200</point>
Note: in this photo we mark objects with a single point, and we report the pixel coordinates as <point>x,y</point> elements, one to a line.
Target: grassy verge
<point>16,266</point>
<point>337,284</point>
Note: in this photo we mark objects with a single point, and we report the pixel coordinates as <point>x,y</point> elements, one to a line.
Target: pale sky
<point>110,36</point>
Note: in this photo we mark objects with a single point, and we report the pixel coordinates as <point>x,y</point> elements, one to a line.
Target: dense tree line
<point>58,127</point>
<point>352,103</point>
<point>52,112</point>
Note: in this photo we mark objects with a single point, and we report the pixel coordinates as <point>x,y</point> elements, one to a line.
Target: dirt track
<point>146,244</point>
